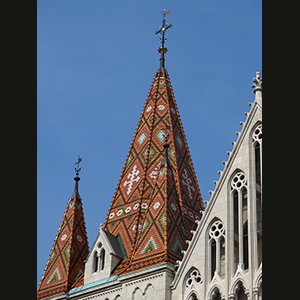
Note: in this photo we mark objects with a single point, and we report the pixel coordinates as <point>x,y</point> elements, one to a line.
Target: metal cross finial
<point>77,163</point>
<point>164,28</point>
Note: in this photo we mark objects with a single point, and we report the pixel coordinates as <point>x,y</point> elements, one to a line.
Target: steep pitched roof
<point>154,207</point>
<point>66,261</point>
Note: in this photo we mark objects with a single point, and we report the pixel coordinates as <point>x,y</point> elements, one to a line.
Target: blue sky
<point>95,63</point>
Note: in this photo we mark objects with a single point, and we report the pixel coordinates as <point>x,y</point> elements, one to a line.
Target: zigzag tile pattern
<point>66,261</point>
<point>154,208</point>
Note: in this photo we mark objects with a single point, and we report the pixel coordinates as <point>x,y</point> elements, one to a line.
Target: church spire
<point>70,249</point>
<point>157,199</point>
<point>161,32</point>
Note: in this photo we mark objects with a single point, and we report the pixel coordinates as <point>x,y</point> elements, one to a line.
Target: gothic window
<point>217,248</point>
<point>240,220</point>
<point>245,228</point>
<point>235,229</point>
<point>217,296</point>
<point>240,293</point>
<point>193,297</point>
<point>95,267</point>
<point>194,278</point>
<point>257,144</point>
<point>101,258</point>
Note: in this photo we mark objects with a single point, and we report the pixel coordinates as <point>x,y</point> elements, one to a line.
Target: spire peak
<point>257,85</point>
<point>77,178</point>
<point>161,32</point>
<point>157,199</point>
<point>66,262</point>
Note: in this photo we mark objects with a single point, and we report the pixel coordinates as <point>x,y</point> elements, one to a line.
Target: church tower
<point>157,199</point>
<point>66,261</point>
<point>156,204</point>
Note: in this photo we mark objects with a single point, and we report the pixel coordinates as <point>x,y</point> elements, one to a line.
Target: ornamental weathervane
<point>161,32</point>
<point>77,170</point>
<point>76,178</point>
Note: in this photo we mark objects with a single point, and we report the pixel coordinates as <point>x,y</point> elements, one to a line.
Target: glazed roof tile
<point>154,207</point>
<point>66,261</point>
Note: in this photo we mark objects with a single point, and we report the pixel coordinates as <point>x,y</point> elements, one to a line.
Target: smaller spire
<point>76,178</point>
<point>161,32</point>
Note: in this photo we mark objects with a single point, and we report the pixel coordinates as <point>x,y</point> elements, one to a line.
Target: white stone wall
<point>220,207</point>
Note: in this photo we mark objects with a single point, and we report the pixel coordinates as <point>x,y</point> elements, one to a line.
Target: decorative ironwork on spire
<point>161,32</point>
<point>77,170</point>
<point>77,178</point>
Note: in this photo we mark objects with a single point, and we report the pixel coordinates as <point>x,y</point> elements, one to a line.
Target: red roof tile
<point>66,261</point>
<point>154,207</point>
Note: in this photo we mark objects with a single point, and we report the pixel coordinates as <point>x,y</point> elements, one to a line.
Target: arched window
<point>193,297</point>
<point>245,228</point>
<point>217,296</point>
<point>102,258</point>
<point>235,229</point>
<point>95,263</point>
<point>257,144</point>
<point>240,293</point>
<point>217,248</point>
<point>240,221</point>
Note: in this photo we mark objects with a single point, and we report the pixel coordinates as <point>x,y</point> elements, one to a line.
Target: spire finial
<point>77,178</point>
<point>77,170</point>
<point>257,85</point>
<point>161,32</point>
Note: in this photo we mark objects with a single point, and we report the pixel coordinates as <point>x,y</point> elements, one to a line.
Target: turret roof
<point>66,261</point>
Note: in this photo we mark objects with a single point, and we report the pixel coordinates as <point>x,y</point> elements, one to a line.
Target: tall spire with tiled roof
<point>157,199</point>
<point>66,261</point>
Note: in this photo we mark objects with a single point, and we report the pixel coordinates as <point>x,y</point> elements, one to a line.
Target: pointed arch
<point>215,236</point>
<point>95,261</point>
<point>237,284</point>
<point>137,294</point>
<point>255,142</point>
<point>214,292</point>
<point>101,259</point>
<point>254,127</point>
<point>233,174</point>
<point>149,292</point>
<point>193,295</point>
<point>258,281</point>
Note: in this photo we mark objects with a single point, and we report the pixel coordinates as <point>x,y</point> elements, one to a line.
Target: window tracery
<point>238,181</point>
<point>193,278</point>
<point>257,145</point>
<point>240,220</point>
<point>216,241</point>
<point>257,134</point>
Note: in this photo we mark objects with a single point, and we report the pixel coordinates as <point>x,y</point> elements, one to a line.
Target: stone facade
<point>237,272</point>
